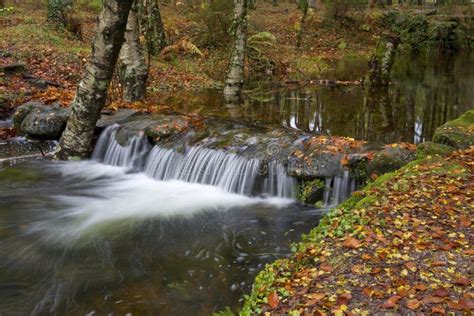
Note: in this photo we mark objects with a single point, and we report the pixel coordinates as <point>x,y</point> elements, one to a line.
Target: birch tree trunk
<point>92,90</point>
<point>235,73</point>
<point>153,25</point>
<point>132,67</point>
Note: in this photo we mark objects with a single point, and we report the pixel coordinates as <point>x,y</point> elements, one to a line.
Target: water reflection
<point>426,92</point>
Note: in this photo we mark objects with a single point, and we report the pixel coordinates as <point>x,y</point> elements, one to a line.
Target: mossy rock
<point>430,149</point>
<point>458,133</point>
<point>389,159</point>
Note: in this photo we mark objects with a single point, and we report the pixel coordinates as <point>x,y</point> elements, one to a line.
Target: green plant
<point>216,15</point>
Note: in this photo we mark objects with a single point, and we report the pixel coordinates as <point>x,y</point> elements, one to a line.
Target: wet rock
<point>37,120</point>
<point>166,126</point>
<point>458,133</point>
<point>430,149</point>
<point>118,117</point>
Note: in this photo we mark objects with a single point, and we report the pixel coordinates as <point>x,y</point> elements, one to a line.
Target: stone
<point>40,121</point>
<point>458,133</point>
<point>430,149</point>
<point>389,159</point>
<point>118,117</point>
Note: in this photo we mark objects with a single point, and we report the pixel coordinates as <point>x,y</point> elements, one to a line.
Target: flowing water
<point>142,230</point>
<point>145,230</point>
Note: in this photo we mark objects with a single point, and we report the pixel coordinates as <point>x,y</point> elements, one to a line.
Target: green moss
<point>458,133</point>
<point>307,188</point>
<point>430,149</point>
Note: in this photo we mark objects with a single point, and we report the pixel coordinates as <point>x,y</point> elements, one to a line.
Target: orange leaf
<point>465,221</point>
<point>273,299</point>
<point>438,309</point>
<point>413,304</point>
<point>351,242</point>
<point>441,292</point>
<point>462,281</point>
<point>391,302</point>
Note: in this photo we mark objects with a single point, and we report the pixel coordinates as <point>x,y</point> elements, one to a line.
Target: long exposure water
<point>144,230</point>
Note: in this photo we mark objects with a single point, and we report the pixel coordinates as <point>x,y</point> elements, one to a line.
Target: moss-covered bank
<point>402,245</point>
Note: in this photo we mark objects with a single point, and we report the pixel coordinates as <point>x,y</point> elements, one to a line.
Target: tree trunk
<point>132,67</point>
<point>92,90</point>
<point>57,10</point>
<point>382,61</point>
<point>235,74</point>
<point>153,26</point>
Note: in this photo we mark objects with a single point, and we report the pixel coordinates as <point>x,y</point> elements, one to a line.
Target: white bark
<point>235,74</point>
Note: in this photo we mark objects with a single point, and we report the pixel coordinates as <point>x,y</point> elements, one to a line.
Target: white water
<point>230,172</point>
<point>114,194</point>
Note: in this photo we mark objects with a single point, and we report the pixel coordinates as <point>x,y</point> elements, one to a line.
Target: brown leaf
<point>420,287</point>
<point>462,281</point>
<point>273,299</point>
<point>466,304</point>
<point>464,221</point>
<point>438,310</point>
<point>433,300</point>
<point>413,304</point>
<point>343,299</point>
<point>391,302</point>
<point>367,291</point>
<point>438,263</point>
<point>351,242</point>
<point>469,252</point>
<point>441,292</point>
<point>326,267</point>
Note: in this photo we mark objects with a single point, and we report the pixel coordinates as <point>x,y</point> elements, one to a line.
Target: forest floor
<point>59,57</point>
<point>403,245</point>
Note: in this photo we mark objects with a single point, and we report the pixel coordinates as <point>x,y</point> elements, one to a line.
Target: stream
<point>142,230</point>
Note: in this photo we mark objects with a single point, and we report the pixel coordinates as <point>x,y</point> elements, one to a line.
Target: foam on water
<point>114,194</point>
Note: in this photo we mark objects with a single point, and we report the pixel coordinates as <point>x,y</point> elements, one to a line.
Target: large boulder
<point>458,133</point>
<point>431,149</point>
<point>36,120</point>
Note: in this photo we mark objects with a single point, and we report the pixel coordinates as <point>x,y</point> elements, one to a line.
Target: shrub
<point>217,16</point>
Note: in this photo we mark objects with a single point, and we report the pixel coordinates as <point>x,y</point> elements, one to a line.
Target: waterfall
<point>338,188</point>
<point>229,171</point>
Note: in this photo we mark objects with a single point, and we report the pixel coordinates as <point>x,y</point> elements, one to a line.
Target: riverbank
<point>50,61</point>
<point>403,245</point>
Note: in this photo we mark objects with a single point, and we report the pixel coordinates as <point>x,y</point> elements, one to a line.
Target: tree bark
<point>132,67</point>
<point>153,25</point>
<point>382,61</point>
<point>92,90</point>
<point>235,73</point>
<point>57,10</point>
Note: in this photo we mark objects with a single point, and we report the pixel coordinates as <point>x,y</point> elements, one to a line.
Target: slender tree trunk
<point>92,90</point>
<point>235,74</point>
<point>57,10</point>
<point>153,25</point>
<point>132,67</point>
<point>382,61</point>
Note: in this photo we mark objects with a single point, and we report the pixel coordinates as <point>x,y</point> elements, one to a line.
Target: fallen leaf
<point>413,304</point>
<point>462,281</point>
<point>441,292</point>
<point>273,299</point>
<point>351,242</point>
<point>391,302</point>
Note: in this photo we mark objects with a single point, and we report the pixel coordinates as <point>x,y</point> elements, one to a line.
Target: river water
<point>120,238</point>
